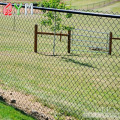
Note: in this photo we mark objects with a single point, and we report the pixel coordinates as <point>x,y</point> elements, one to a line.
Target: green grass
<point>73,2</point>
<point>111,8</point>
<point>81,4</point>
<point>77,4</point>
<point>84,2</point>
<point>70,83</point>
<point>10,113</point>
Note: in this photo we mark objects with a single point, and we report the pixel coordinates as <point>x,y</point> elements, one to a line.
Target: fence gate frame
<point>111,38</point>
<point>46,33</point>
<point>107,38</point>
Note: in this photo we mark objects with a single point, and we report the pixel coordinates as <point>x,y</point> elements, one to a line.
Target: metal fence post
<point>14,22</point>
<point>35,40</point>
<point>54,35</point>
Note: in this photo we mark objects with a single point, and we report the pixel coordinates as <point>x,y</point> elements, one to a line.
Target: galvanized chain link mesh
<point>82,84</point>
<point>98,4</point>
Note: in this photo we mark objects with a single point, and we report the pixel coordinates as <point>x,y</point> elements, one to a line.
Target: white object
<point>29,6</point>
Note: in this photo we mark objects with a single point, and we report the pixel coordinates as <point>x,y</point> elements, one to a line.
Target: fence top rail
<point>71,11</point>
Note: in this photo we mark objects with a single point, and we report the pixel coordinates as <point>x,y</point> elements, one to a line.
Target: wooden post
<point>60,36</point>
<point>35,40</point>
<point>110,43</point>
<point>69,40</point>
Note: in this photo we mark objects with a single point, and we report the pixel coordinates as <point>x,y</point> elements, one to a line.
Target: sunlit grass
<point>111,8</point>
<point>10,113</point>
<point>71,83</point>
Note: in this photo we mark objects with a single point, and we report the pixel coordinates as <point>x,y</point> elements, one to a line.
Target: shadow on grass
<point>77,62</point>
<point>51,54</point>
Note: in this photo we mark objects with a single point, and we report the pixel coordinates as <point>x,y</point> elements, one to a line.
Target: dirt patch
<point>27,104</point>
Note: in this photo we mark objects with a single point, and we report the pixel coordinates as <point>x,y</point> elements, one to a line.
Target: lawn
<point>114,8</point>
<point>74,3</point>
<point>78,3</point>
<point>10,113</point>
<point>73,83</point>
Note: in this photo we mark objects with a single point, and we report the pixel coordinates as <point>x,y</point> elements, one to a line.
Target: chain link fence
<point>61,64</point>
<point>98,4</point>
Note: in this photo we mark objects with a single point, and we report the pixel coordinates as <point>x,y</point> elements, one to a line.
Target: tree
<point>55,18</point>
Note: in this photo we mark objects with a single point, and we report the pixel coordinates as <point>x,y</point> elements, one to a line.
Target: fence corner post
<point>110,43</point>
<point>35,39</point>
<point>69,40</point>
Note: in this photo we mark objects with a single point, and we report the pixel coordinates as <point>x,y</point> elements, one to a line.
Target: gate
<point>89,41</point>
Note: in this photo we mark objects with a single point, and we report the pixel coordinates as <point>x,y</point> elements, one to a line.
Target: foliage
<point>53,17</point>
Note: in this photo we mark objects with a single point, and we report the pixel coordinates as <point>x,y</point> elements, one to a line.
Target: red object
<point>8,9</point>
